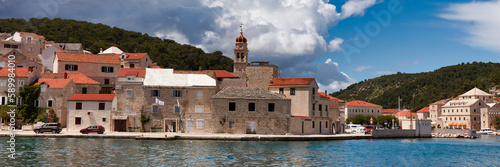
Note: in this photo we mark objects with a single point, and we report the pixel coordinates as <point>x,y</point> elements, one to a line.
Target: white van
<point>354,128</point>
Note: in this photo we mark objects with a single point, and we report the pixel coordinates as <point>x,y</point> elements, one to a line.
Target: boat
<point>484,131</point>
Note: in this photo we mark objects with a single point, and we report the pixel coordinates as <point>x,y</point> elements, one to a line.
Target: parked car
<point>49,127</point>
<point>354,128</point>
<point>369,128</point>
<point>93,129</point>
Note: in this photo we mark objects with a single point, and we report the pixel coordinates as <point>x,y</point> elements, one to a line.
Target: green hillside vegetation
<point>166,52</point>
<point>421,89</point>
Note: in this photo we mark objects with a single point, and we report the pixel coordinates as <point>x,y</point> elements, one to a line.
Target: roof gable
<point>291,81</point>
<point>476,92</point>
<point>361,103</point>
<point>138,72</point>
<point>423,110</point>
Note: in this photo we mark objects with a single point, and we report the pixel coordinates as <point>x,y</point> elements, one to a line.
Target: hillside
<point>166,52</point>
<point>421,89</point>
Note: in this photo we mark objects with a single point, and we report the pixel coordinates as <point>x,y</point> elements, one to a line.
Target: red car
<point>368,128</point>
<point>93,129</point>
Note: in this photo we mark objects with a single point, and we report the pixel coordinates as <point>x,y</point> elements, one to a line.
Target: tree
<point>27,108</point>
<point>144,119</point>
<point>381,120</point>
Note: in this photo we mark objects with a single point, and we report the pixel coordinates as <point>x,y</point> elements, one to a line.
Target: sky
<point>338,42</point>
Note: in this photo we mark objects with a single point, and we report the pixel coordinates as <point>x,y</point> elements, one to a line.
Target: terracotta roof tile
<point>157,67</point>
<point>53,83</point>
<point>425,109</point>
<point>93,97</point>
<point>389,111</point>
<point>223,74</point>
<point>133,55</point>
<point>322,94</point>
<point>405,113</point>
<point>87,58</point>
<point>291,81</point>
<point>20,72</point>
<point>138,72</point>
<point>361,103</point>
<point>78,78</point>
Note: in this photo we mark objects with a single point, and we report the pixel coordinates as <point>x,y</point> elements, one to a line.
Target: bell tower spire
<point>240,52</point>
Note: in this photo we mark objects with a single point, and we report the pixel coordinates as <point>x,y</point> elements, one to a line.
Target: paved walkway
<point>184,136</point>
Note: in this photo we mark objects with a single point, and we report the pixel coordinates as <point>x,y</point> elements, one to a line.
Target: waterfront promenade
<point>184,136</point>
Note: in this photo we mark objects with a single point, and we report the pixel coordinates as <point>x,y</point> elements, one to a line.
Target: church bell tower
<point>240,53</point>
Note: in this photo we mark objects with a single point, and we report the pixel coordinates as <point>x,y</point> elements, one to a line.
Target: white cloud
<point>334,45</point>
<point>482,22</point>
<point>362,68</point>
<point>384,72</point>
<point>356,7</point>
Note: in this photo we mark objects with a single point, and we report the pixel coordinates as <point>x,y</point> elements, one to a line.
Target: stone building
<point>130,94</point>
<point>48,55</point>
<point>84,84</point>
<point>423,113</point>
<point>71,47</point>
<point>101,68</point>
<point>243,110</point>
<point>25,42</point>
<point>24,76</point>
<point>175,101</point>
<point>135,60</point>
<point>22,60</point>
<point>358,107</point>
<point>90,109</point>
<point>464,112</point>
<point>54,94</point>
<point>333,110</point>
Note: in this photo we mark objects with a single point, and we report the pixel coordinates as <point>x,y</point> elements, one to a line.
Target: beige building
<point>101,68</point>
<point>24,76</point>
<point>90,109</point>
<point>423,113</point>
<point>465,110</point>
<point>334,109</point>
<point>358,107</point>
<point>54,94</point>
<point>243,110</point>
<point>25,42</point>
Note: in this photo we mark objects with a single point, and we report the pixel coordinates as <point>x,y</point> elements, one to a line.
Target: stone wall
<point>453,133</point>
<point>259,76</point>
<point>396,133</point>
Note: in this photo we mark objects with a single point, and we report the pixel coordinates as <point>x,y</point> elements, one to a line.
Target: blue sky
<point>305,38</point>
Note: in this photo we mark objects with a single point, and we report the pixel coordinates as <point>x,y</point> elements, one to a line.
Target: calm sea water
<point>484,151</point>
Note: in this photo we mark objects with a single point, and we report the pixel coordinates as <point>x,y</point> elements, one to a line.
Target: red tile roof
<point>291,81</point>
<point>78,78</point>
<point>361,103</point>
<point>389,111</point>
<point>87,58</point>
<point>425,109</point>
<point>158,67</point>
<point>138,72</point>
<point>300,116</point>
<point>223,74</point>
<point>53,83</point>
<point>93,97</point>
<point>20,72</point>
<point>133,55</point>
<point>322,94</point>
<point>405,113</point>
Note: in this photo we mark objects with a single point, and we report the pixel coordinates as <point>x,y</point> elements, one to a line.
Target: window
<point>270,107</point>
<point>155,92</point>
<point>199,94</point>
<point>198,108</point>
<point>251,106</point>
<point>282,91</point>
<point>474,111</point>
<point>177,93</point>
<point>128,108</point>
<point>313,124</point>
<point>320,107</point>
<point>314,91</point>
<point>314,107</point>
<point>20,83</point>
<point>102,106</point>
<point>84,90</point>
<point>132,66</point>
<point>3,82</point>
<point>292,91</point>
<point>106,81</point>
<point>199,123</point>
<point>461,110</point>
<point>71,67</point>
<point>30,49</point>
<point>326,124</point>
<point>474,118</point>
<point>177,108</point>
<point>232,106</point>
<point>155,108</point>
<point>78,106</point>
<point>129,94</point>
<point>29,38</point>
<point>103,119</point>
<point>231,124</point>
<point>49,103</point>
<point>36,103</point>
<point>326,107</point>
<point>78,120</point>
<point>107,69</point>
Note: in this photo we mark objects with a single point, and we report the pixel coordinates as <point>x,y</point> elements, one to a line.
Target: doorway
<point>120,125</point>
<point>189,125</point>
<point>251,127</point>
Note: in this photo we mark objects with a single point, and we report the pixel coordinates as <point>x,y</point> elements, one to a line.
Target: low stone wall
<point>27,127</point>
<point>396,133</point>
<point>453,133</point>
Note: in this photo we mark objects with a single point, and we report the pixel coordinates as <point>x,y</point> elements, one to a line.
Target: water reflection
<point>126,152</point>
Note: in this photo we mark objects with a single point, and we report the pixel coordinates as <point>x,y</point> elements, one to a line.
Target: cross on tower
<point>241,28</point>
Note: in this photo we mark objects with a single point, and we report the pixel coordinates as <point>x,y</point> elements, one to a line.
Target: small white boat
<point>484,131</point>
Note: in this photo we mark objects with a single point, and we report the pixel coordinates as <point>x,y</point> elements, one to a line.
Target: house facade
<point>24,76</point>
<point>135,60</point>
<point>54,94</point>
<point>358,107</point>
<point>90,109</point>
<point>131,97</point>
<point>25,42</point>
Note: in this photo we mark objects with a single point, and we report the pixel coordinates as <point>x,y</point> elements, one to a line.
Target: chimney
<point>326,93</point>
<point>100,50</point>
<point>199,68</point>
<point>65,75</point>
